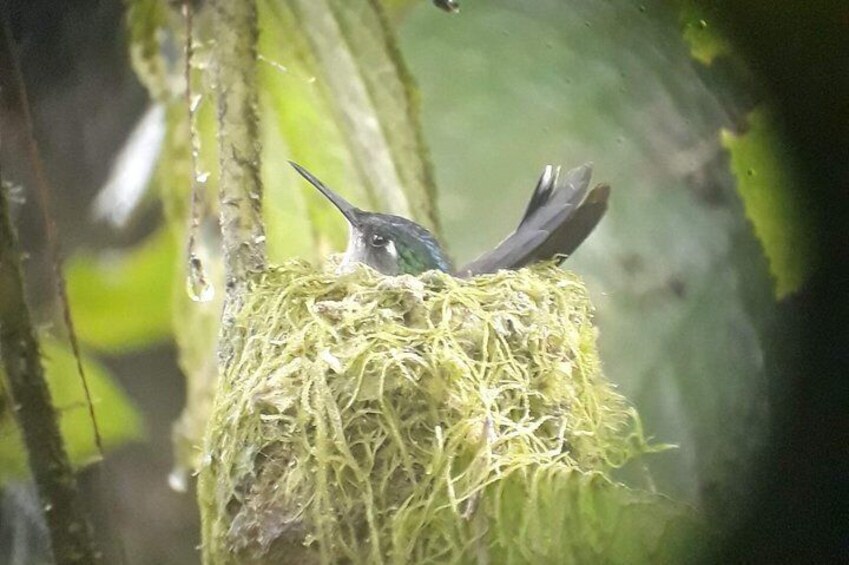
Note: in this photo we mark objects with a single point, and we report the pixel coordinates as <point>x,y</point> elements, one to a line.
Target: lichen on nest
<point>377,419</point>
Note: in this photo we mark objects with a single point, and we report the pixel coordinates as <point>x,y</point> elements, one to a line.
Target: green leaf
<point>122,301</point>
<point>351,51</point>
<point>118,419</point>
<point>295,113</point>
<point>773,200</point>
<point>397,8</point>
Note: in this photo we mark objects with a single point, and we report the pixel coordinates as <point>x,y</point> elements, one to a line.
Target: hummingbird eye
<point>377,240</point>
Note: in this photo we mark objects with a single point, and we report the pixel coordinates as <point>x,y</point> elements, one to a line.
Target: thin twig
<point>197,278</point>
<point>70,532</point>
<point>43,192</point>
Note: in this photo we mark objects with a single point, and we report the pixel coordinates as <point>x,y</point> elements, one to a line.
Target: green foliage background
<point>118,419</point>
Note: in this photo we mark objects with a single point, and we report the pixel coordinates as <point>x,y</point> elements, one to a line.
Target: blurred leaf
<point>569,518</point>
<point>122,300</point>
<point>330,71</point>
<point>774,204</point>
<point>146,21</point>
<point>117,418</point>
<point>705,41</point>
<point>394,7</point>
<point>359,72</point>
<point>296,113</point>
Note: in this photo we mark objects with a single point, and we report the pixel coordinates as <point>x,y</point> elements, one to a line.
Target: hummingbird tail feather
<point>562,212</point>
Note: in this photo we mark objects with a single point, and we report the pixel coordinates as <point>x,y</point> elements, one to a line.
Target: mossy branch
<point>70,533</point>
<point>240,194</point>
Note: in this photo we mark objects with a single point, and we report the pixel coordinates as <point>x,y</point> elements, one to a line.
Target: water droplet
<point>702,24</point>
<point>197,283</point>
<point>195,102</point>
<point>178,480</point>
<point>48,507</point>
<point>202,177</point>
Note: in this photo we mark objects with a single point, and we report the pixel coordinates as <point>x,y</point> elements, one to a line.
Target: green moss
<point>377,419</point>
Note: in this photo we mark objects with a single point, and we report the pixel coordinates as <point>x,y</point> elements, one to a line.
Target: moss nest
<point>373,419</point>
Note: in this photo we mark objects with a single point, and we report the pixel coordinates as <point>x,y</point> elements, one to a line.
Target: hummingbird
<point>560,215</point>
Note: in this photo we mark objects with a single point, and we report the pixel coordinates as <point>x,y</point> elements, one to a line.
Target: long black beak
<point>348,210</point>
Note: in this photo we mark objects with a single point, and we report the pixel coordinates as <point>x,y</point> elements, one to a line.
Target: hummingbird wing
<point>560,215</point>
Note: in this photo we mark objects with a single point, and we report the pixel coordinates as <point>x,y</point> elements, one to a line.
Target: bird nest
<point>374,419</point>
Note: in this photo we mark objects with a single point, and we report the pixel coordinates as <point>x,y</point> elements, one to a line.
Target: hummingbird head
<point>389,244</point>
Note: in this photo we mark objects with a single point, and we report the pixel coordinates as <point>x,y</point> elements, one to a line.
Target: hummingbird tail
<point>562,212</point>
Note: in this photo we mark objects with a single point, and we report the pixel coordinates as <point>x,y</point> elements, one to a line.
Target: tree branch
<point>10,66</point>
<point>70,532</point>
<point>238,144</point>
